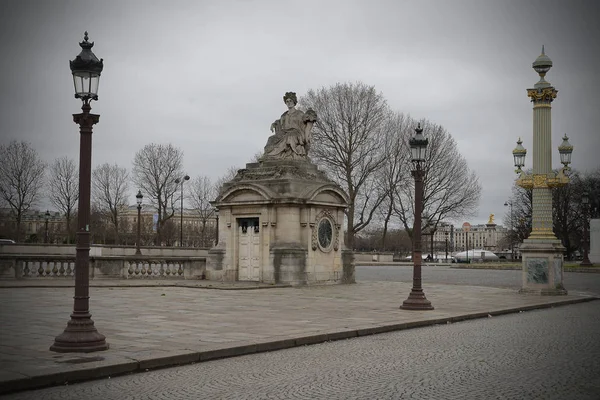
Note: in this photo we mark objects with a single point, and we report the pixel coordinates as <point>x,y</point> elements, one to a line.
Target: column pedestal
<point>542,267</point>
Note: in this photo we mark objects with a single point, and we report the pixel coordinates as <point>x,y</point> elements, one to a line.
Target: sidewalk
<point>166,323</point>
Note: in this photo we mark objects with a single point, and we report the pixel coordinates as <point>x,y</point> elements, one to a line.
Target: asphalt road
<point>574,281</point>
<point>544,354</point>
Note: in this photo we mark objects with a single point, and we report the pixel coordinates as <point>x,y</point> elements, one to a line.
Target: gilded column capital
<point>540,181</point>
<point>542,95</point>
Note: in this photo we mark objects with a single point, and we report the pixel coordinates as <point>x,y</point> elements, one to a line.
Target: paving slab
<point>165,323</point>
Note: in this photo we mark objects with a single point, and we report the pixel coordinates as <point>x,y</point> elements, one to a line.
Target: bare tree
<point>348,138</point>
<point>63,188</point>
<point>202,193</point>
<point>591,182</point>
<point>568,213</point>
<point>109,187</point>
<point>21,179</point>
<point>395,171</point>
<point>155,168</point>
<point>228,176</point>
<point>522,213</point>
<point>451,190</point>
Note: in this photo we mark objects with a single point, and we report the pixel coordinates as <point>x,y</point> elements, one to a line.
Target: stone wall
<point>370,257</point>
<point>102,250</point>
<point>127,267</point>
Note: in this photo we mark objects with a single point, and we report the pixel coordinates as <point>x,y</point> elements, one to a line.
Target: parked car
<point>7,241</point>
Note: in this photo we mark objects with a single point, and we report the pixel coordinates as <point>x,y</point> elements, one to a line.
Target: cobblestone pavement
<point>543,354</point>
<point>574,281</point>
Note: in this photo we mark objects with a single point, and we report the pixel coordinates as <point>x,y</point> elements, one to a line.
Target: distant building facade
<point>491,237</point>
<point>33,225</point>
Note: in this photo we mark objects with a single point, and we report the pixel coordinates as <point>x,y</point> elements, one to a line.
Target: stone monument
<point>281,219</point>
<point>542,252</point>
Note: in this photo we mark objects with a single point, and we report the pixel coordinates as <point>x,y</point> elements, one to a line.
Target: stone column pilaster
<point>542,161</point>
<point>542,252</point>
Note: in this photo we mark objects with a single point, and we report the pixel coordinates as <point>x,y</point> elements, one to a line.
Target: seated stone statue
<point>291,140</point>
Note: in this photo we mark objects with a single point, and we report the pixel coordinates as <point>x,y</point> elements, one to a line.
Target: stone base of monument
<point>281,221</point>
<point>542,267</point>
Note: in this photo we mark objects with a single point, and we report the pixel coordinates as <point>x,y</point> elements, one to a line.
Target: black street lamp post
<point>139,197</point>
<point>467,240</point>
<point>416,299</point>
<point>80,335</point>
<point>512,252</point>
<point>182,180</point>
<point>585,200</point>
<point>46,218</point>
<point>446,234</point>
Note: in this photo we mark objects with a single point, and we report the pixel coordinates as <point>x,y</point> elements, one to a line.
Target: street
<point>542,354</point>
<point>574,281</point>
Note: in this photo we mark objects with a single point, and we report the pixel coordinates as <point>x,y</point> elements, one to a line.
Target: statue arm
<point>275,126</point>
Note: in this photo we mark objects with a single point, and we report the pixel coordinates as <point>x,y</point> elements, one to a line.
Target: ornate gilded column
<point>542,251</point>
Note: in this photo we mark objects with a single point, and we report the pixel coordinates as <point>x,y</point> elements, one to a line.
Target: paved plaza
<point>550,354</point>
<point>157,326</point>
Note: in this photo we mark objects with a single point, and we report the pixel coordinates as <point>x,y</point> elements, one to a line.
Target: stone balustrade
<point>19,266</point>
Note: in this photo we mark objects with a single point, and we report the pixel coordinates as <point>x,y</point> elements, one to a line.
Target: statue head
<point>290,95</point>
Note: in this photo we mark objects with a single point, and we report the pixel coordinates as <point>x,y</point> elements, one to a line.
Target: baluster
<point>161,271</point>
<point>69,269</point>
<point>61,270</point>
<point>151,269</point>
<point>41,268</point>
<point>168,269</point>
<point>144,268</point>
<point>180,270</point>
<point>130,269</point>
<point>54,268</point>
<point>137,267</point>
<point>25,266</point>
<point>48,269</point>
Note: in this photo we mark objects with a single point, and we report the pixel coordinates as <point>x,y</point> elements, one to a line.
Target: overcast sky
<point>208,76</point>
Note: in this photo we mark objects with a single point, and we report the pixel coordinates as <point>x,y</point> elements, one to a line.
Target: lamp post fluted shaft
<point>81,335</point>
<point>416,299</point>
<point>47,216</point>
<point>181,181</point>
<point>512,239</point>
<point>446,247</point>
<point>139,230</point>
<point>586,233</point>
<point>181,219</point>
